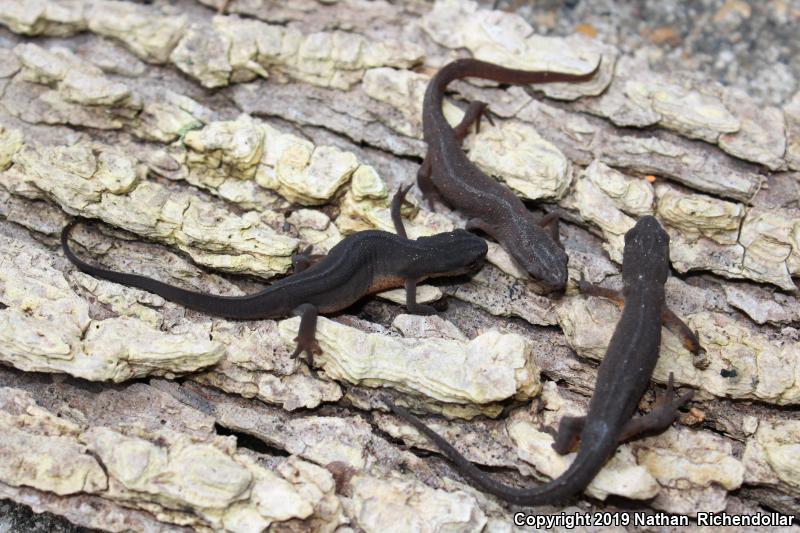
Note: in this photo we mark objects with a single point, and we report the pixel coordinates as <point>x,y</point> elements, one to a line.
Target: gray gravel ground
<point>16,518</point>
<point>750,45</point>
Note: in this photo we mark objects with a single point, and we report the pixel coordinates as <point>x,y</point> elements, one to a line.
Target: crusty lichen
<point>244,149</point>
<point>235,50</point>
<point>598,208</point>
<point>98,182</point>
<point>44,17</point>
<point>361,81</point>
<point>398,504</point>
<point>10,142</point>
<point>57,86</point>
<point>404,90</point>
<point>771,455</point>
<point>81,95</point>
<point>695,469</point>
<point>516,154</point>
<point>792,114</point>
<point>620,476</point>
<point>183,477</point>
<point>492,367</point>
<point>46,327</point>
<point>41,450</point>
<point>743,364</point>
<point>149,34</point>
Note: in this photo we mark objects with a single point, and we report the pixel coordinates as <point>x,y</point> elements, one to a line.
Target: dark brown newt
<point>622,378</point>
<point>490,206</point>
<point>364,263</point>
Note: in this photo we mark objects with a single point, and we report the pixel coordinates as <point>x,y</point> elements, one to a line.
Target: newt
<point>622,378</point>
<point>363,263</point>
<point>447,174</point>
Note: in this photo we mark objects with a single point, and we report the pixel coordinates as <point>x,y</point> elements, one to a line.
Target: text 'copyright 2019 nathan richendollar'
<point>611,519</point>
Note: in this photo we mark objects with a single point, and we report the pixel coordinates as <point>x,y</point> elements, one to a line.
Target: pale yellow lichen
<point>40,451</point>
<point>358,215</point>
<point>696,215</point>
<point>147,33</point>
<point>516,154</point>
<point>236,50</point>
<point>490,368</point>
<point>55,18</point>
<point>404,90</point>
<point>10,143</point>
<point>742,364</point>
<point>80,87</point>
<point>167,119</point>
<point>620,476</point>
<point>695,468</point>
<point>315,229</point>
<point>771,239</point>
<point>690,112</point>
<point>397,504</point>
<point>248,150</point>
<point>634,196</point>
<point>762,135</point>
<point>188,477</point>
<point>791,113</point>
<point>98,182</point>
<point>755,244</point>
<point>597,208</point>
<point>366,184</point>
<point>771,455</point>
<point>46,328</point>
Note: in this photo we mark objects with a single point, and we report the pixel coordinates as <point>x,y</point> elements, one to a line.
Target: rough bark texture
<point>212,147</point>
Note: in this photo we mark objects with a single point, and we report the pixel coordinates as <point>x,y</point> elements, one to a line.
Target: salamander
<point>448,174</point>
<point>363,263</point>
<point>622,378</point>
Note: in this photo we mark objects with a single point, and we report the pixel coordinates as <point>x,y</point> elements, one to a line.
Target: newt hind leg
<point>475,112</point>
<point>302,260</point>
<point>397,218</point>
<point>656,421</point>
<point>569,433</point>
<point>659,419</point>
<point>425,184</point>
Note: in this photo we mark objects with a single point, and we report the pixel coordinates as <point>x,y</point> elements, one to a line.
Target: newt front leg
<point>306,335</point>
<point>669,319</point>
<point>410,284</point>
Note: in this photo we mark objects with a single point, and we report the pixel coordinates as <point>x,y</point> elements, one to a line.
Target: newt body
<point>363,263</point>
<point>492,207</point>
<point>622,378</point>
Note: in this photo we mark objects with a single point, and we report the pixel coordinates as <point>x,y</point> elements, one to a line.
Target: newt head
<point>540,256</point>
<point>646,254</point>
<point>453,253</point>
<point>547,270</point>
